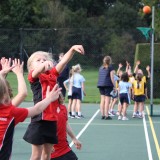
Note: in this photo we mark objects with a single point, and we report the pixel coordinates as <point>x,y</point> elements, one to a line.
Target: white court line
<point>147,139</point>
<point>85,127</point>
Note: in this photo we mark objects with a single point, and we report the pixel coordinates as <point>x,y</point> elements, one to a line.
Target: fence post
<point>152,64</point>
<point>21,44</point>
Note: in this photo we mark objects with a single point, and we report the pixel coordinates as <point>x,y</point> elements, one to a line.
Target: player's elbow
<point>23,95</point>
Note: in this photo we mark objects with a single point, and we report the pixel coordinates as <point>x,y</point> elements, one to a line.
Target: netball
<point>146,9</point>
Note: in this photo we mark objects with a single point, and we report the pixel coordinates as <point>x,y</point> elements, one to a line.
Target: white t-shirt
<point>124,87</point>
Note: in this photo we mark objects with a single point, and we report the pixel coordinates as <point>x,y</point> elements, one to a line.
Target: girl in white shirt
<point>77,91</point>
<point>124,95</point>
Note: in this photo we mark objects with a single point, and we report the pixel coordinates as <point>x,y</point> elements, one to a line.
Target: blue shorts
<point>105,91</point>
<point>139,98</point>
<point>76,93</point>
<point>124,98</point>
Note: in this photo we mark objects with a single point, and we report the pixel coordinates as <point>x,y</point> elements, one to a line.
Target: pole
<point>152,63</point>
<point>21,45</point>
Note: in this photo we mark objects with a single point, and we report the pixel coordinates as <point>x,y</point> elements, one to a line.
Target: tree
<point>120,45</point>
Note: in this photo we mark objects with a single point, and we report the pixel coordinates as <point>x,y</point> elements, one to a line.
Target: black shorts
<point>69,97</point>
<point>68,156</point>
<point>41,132</point>
<point>124,98</point>
<point>139,98</point>
<point>76,93</point>
<point>105,91</point>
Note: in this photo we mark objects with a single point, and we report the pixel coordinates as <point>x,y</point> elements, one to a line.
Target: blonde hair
<point>77,68</point>
<point>4,94</point>
<point>107,60</point>
<point>33,56</point>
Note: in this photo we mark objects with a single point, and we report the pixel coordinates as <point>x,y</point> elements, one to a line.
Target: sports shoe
<point>108,118</point>
<point>140,116</point>
<point>111,114</point>
<point>78,117</point>
<point>73,116</point>
<point>119,117</point>
<point>135,115</point>
<point>103,117</point>
<point>125,119</point>
<point>82,116</point>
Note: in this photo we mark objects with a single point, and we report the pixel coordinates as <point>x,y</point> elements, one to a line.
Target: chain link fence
<point>120,44</point>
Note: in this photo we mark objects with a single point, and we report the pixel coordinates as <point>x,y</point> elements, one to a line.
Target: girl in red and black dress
<point>42,131</point>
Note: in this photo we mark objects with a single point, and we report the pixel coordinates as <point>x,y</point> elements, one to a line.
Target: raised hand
<point>18,67</point>
<point>54,93</point>
<point>120,65</point>
<point>148,68</point>
<point>138,63</point>
<point>6,66</point>
<point>127,63</point>
<point>78,48</point>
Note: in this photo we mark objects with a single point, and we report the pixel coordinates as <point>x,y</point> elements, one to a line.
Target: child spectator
<point>119,73</point>
<point>140,94</point>
<point>145,79</point>
<point>114,96</point>
<point>78,91</point>
<point>124,95</point>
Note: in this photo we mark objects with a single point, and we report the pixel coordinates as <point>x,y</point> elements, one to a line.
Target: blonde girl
<point>42,131</point>
<point>77,91</point>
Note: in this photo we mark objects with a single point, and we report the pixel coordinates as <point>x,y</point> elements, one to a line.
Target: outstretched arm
<point>136,67</point>
<point>42,105</point>
<point>76,142</point>
<point>119,68</point>
<point>127,66</point>
<point>22,88</point>
<point>68,56</point>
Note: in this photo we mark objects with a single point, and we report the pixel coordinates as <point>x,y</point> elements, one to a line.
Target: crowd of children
<point>125,87</point>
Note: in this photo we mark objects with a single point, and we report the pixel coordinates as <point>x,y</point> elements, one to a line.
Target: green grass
<point>13,83</point>
<point>92,92</point>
